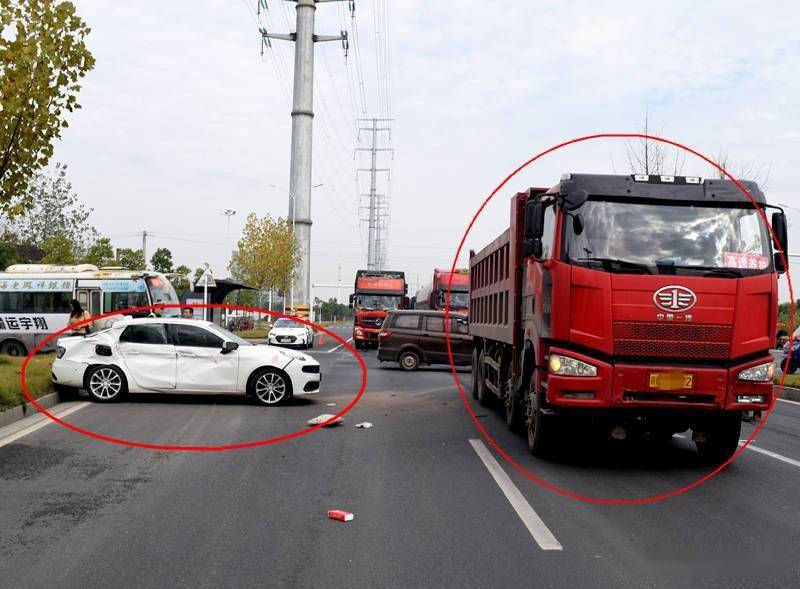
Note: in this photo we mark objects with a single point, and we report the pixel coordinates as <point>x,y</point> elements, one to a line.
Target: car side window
<point>406,321</point>
<point>196,337</point>
<point>434,324</point>
<point>149,333</point>
<point>459,326</point>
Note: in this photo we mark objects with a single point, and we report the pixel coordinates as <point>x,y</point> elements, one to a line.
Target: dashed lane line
<point>540,532</point>
<point>38,422</point>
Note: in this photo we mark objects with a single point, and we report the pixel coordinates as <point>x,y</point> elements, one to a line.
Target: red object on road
<point>344,516</point>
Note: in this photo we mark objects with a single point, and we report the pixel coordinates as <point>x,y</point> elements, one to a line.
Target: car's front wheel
<point>408,360</point>
<point>106,384</point>
<point>270,386</point>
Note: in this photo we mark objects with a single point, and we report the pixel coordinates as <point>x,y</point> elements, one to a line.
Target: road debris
<point>364,425</point>
<point>323,418</point>
<point>338,514</point>
<point>330,404</point>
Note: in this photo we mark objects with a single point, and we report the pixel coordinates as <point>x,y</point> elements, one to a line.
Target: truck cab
<point>376,292</point>
<point>641,302</point>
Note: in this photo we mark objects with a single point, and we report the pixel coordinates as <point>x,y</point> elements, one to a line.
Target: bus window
<point>34,302</point>
<point>115,301</point>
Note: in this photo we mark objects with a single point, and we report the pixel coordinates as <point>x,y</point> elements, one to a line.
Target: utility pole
<point>302,134</point>
<point>228,213</point>
<point>374,234</point>
<point>144,248</point>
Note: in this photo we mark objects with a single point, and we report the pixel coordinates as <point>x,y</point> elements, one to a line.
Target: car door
<point>201,365</point>
<point>148,355</point>
<point>460,341</point>
<point>431,339</point>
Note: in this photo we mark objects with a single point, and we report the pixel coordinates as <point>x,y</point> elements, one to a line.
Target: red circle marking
<point>195,448</point>
<point>482,429</point>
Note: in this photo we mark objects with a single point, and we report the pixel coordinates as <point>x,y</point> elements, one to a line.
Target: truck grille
<point>672,340</point>
<point>372,322</point>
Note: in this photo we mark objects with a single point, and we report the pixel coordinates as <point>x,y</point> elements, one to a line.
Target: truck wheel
<point>484,396</point>
<point>537,424</point>
<point>721,438</point>
<point>475,374</point>
<point>513,407</point>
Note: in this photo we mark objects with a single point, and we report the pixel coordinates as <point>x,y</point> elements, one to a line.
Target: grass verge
<point>37,377</point>
<point>792,380</point>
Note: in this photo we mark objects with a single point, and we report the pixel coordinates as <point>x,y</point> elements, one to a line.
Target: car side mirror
<point>779,227</point>
<point>229,346</point>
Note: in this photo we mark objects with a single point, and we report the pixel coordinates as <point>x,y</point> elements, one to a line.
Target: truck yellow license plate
<point>671,381</point>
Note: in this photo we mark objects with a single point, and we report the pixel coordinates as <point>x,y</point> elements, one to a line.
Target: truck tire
<point>538,426</point>
<point>722,438</point>
<point>514,408</point>
<point>484,396</point>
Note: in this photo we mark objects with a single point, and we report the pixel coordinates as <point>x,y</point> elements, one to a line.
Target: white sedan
<point>165,355</point>
<point>287,332</point>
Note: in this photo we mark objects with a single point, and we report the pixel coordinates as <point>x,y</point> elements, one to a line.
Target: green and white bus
<point>34,299</point>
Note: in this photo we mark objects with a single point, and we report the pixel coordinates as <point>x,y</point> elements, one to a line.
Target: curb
<point>22,411</point>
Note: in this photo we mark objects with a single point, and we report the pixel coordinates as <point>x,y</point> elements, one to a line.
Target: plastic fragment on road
<point>330,404</point>
<point>364,425</point>
<point>323,418</point>
<point>338,514</point>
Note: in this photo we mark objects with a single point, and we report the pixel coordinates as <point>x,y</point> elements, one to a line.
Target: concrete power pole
<point>144,248</point>
<point>374,235</point>
<point>302,133</point>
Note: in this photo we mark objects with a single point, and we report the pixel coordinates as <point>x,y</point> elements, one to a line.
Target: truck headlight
<point>760,373</point>
<point>566,366</point>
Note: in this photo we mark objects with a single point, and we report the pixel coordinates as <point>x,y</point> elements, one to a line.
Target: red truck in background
<point>433,295</point>
<point>646,304</point>
<point>376,293</point>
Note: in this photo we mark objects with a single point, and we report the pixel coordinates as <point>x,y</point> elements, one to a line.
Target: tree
<point>162,260</point>
<point>181,284</point>
<point>56,210</point>
<point>43,56</point>
<point>58,249</point>
<point>8,254</point>
<point>268,253</point>
<point>749,170</point>
<point>100,253</point>
<point>130,259</point>
<point>648,156</point>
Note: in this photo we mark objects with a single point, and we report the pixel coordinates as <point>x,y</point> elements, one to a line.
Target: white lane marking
<point>540,532</point>
<point>771,454</point>
<point>339,346</point>
<point>788,401</point>
<point>40,423</point>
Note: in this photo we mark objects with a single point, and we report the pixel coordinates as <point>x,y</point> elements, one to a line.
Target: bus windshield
<point>669,239</point>
<point>162,291</point>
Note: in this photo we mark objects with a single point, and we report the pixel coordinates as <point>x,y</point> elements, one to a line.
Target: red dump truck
<point>433,294</point>
<point>376,293</point>
<point>643,304</point>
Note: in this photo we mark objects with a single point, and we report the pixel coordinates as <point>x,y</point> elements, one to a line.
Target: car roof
<point>175,320</point>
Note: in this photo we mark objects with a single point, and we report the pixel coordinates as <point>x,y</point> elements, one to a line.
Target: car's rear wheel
<point>13,348</point>
<point>106,384</point>
<point>408,360</point>
<point>270,386</point>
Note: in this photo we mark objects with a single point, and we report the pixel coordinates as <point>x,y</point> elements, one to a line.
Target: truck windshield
<point>378,301</point>
<point>458,299</point>
<point>162,291</point>
<point>669,239</point>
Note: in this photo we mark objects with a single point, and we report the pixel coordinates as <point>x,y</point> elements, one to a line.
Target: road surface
<point>433,506</point>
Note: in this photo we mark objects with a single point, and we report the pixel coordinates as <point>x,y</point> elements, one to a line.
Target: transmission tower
<point>378,204</point>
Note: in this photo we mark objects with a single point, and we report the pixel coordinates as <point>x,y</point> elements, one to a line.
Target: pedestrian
<point>78,314</point>
<point>187,313</point>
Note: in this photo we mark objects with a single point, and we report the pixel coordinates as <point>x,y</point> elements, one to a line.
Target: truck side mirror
<point>406,303</point>
<point>352,300</point>
<point>779,227</point>
<point>534,228</point>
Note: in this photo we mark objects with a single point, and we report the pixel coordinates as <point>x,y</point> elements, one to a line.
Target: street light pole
<point>228,213</point>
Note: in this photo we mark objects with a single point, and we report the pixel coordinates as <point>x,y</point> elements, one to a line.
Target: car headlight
<point>760,373</point>
<point>293,355</point>
<point>566,366</point>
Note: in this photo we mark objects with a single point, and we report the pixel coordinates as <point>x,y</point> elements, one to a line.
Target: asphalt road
<point>431,510</point>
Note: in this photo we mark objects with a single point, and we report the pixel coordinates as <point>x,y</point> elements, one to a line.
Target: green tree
<point>8,254</point>
<point>268,253</point>
<point>56,210</point>
<point>100,253</point>
<point>43,57</point>
<point>181,284</point>
<point>161,260</point>
<point>130,259</point>
<point>58,249</point>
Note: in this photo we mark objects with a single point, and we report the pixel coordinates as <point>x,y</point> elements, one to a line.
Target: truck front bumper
<point>367,335</point>
<point>628,385</point>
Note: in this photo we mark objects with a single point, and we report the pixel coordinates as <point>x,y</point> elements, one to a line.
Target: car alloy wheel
<point>105,384</point>
<point>271,388</point>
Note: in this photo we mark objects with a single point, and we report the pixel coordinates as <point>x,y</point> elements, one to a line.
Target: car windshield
<point>378,301</point>
<point>161,291</point>
<point>289,323</point>
<point>227,334</point>
<point>669,239</point>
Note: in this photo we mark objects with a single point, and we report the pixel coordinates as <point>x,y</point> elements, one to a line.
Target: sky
<point>184,117</point>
